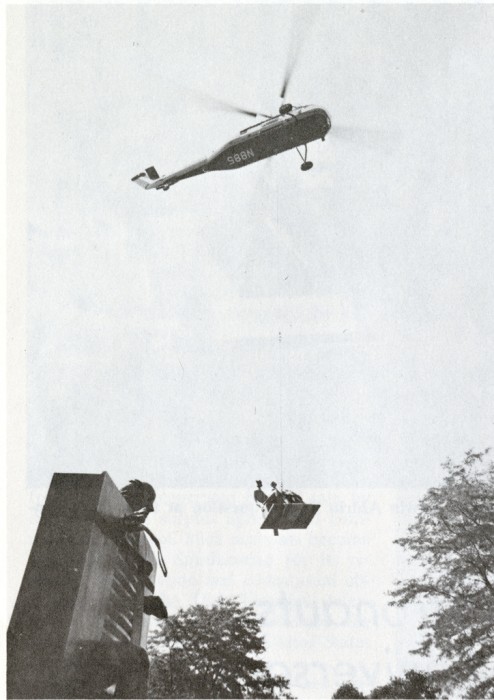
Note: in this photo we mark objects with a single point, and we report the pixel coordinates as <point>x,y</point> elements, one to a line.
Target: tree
<point>212,652</point>
<point>452,539</point>
<point>413,685</point>
<point>348,691</point>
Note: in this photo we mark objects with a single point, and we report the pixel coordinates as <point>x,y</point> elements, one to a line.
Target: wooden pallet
<point>289,516</point>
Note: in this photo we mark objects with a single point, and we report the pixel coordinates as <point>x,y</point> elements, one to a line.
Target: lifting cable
<point>280,372</point>
<point>281,411</point>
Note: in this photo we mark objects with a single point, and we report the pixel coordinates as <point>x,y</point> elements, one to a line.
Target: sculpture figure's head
<point>139,495</point>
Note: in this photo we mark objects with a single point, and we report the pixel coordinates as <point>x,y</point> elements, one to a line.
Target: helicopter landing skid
<point>307,164</point>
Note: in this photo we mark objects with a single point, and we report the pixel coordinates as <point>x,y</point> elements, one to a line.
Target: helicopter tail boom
<point>150,180</point>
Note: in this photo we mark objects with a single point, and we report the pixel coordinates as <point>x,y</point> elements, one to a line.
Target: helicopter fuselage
<point>263,140</point>
<point>273,136</point>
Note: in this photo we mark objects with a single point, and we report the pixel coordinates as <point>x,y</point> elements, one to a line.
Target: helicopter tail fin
<point>147,178</point>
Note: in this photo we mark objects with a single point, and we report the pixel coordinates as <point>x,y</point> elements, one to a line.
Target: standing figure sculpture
<point>79,626</point>
<point>259,496</point>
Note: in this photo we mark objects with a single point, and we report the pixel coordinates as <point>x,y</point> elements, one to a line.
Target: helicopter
<point>293,127</point>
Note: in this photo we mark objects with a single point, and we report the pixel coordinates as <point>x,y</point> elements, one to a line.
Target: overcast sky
<point>152,318</point>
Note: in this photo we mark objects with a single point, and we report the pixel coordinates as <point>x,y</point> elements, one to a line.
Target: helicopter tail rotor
<point>148,179</point>
<point>152,173</point>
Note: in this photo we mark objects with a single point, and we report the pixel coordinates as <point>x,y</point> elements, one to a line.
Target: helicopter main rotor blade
<point>288,75</point>
<point>228,106</point>
<point>240,110</point>
<point>303,21</point>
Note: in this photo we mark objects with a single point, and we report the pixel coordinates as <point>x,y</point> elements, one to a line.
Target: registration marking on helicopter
<point>239,157</point>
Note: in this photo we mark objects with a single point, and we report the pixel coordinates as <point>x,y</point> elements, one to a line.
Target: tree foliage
<point>212,652</point>
<point>348,691</point>
<point>414,684</point>
<point>452,539</point>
